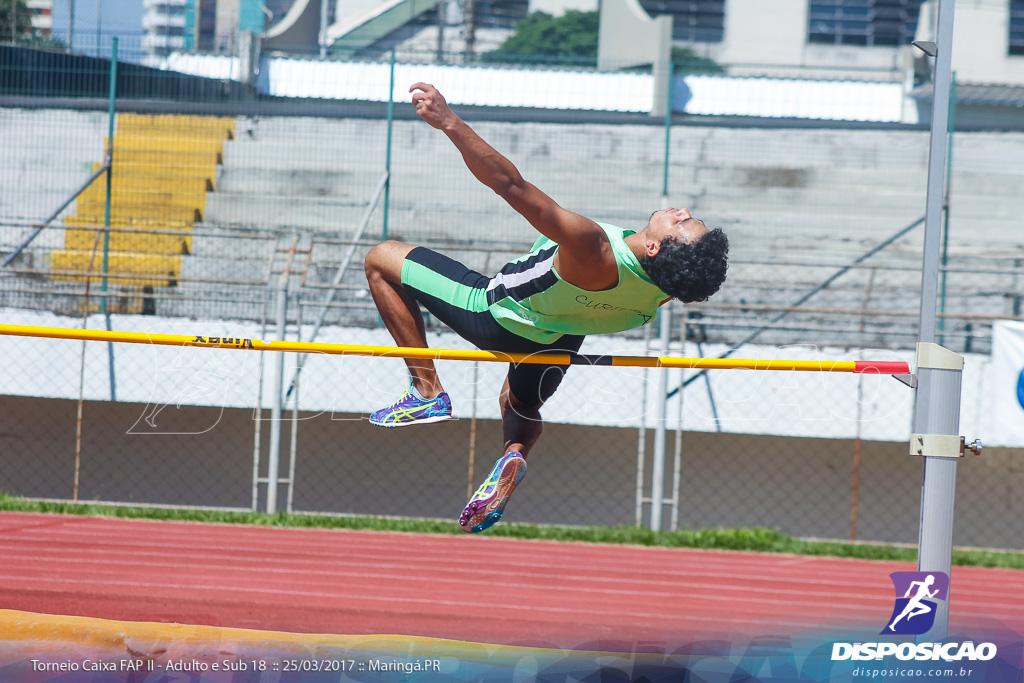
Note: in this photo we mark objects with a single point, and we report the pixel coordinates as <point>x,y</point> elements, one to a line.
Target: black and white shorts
<point>457,296</point>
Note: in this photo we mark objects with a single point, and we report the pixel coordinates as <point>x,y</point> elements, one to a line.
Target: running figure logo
<point>914,612</point>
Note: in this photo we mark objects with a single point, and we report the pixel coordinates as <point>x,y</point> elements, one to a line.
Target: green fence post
<point>110,157</point>
<point>106,212</point>
<point>387,162</point>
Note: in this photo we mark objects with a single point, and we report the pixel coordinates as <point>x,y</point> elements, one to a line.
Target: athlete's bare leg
<point>399,311</point>
<point>521,425</point>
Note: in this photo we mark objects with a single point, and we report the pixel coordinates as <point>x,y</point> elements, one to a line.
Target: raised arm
<point>587,259</point>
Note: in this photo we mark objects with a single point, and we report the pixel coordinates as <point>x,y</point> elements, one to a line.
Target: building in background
<point>867,23</point>
<point>456,27</point>
<point>850,39</point>
<point>865,40</point>
<point>856,39</point>
<point>41,12</point>
<point>204,25</point>
<point>371,28</point>
<point>234,17</point>
<point>200,25</point>
<point>700,21</point>
<point>164,22</point>
<point>851,35</point>
<point>1017,27</point>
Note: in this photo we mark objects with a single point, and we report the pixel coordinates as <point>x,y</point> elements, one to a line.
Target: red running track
<point>473,588</point>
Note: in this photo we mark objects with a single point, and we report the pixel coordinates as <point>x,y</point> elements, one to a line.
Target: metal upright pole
<point>946,200</point>
<point>937,408</point>
<point>277,368</point>
<point>936,172</point>
<point>641,446</point>
<point>441,20</point>
<point>469,28</point>
<point>277,363</point>
<point>668,131</point>
<point>937,414</point>
<point>324,7</point>
<point>665,337</point>
<point>658,465</point>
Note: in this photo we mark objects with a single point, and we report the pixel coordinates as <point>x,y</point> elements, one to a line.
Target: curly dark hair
<point>690,272</point>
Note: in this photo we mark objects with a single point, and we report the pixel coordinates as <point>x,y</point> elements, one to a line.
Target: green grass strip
<point>744,539</point>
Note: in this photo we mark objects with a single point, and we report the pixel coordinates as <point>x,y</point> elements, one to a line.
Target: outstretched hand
<point>431,105</point>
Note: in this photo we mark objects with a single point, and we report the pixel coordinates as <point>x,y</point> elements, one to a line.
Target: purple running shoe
<point>488,503</point>
<point>409,410</point>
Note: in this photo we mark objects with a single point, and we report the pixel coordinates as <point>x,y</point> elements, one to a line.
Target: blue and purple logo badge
<point>1020,389</point>
<point>917,596</point>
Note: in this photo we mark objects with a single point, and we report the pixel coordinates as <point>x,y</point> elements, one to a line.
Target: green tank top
<point>527,296</point>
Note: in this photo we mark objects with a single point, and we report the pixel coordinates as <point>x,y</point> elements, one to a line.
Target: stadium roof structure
<point>976,93</point>
<point>565,88</point>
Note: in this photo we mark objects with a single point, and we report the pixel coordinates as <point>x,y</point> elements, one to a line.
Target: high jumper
<point>581,277</point>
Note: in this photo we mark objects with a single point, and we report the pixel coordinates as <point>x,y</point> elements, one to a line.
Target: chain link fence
<point>222,195</point>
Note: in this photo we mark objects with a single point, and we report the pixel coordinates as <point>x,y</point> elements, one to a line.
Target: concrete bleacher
<point>295,173</point>
<point>164,166</point>
<point>772,186</point>
<point>784,195</point>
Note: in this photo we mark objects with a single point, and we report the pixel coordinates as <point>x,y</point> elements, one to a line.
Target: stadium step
<point>165,196</point>
<point>164,143</point>
<point>163,166</point>
<point>221,125</point>
<point>96,209</point>
<point>133,240</point>
<point>167,157</point>
<point>147,173</point>
<point>96,221</point>
<point>137,182</point>
<point>123,268</point>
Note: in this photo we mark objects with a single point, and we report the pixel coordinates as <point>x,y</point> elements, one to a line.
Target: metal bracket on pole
<point>936,445</point>
<point>942,445</point>
<point>926,46</point>
<point>909,380</point>
<point>931,355</point>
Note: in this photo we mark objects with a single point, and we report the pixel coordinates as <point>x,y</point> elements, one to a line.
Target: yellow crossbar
<point>860,366</point>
